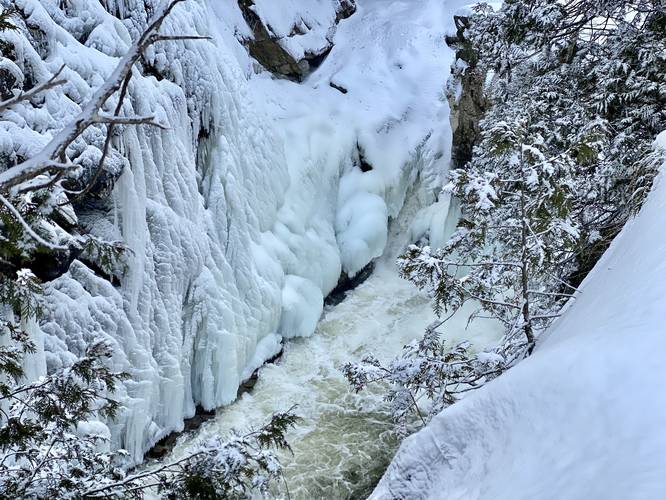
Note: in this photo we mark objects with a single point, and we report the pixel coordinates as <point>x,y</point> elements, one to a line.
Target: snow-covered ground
<point>583,417</point>
<point>242,214</point>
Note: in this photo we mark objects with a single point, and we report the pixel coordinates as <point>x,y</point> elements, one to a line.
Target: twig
<point>26,96</point>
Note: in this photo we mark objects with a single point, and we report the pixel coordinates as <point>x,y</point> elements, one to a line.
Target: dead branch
<point>128,120</point>
<point>171,38</point>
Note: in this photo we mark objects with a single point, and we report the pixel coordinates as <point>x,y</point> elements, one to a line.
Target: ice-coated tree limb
<point>38,164</point>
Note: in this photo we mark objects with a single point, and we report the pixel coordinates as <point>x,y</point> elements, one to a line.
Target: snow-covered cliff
<point>243,213</point>
<point>582,418</point>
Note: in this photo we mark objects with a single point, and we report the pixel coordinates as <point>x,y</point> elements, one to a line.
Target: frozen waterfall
<point>242,215</point>
<point>344,441</point>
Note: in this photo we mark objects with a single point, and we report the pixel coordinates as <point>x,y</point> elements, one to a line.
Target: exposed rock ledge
<point>271,48</point>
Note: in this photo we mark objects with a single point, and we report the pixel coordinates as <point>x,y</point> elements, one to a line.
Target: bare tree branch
<point>117,79</point>
<point>129,120</point>
<point>171,38</point>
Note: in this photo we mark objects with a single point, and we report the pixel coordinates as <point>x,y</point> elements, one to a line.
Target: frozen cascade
<point>244,212</point>
<point>345,441</point>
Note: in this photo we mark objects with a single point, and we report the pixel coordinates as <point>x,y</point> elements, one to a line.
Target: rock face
<point>274,49</point>
<point>346,8</point>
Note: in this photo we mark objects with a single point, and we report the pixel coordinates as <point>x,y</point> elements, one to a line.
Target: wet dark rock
<point>46,264</point>
<point>347,284</point>
<point>346,9</point>
<point>166,444</point>
<point>201,416</point>
<point>265,46</point>
<point>339,88</point>
<point>361,161</point>
<point>248,385</point>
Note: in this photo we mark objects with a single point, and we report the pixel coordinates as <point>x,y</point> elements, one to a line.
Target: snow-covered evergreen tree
<point>577,92</point>
<point>590,70</point>
<point>564,159</point>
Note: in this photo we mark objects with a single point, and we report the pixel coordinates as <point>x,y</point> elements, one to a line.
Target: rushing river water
<point>344,441</point>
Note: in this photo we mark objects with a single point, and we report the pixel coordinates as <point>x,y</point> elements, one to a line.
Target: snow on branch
<point>118,80</point>
<point>31,232</point>
<point>51,165</point>
<point>52,82</point>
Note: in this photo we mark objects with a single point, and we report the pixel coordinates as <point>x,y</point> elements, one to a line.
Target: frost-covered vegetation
<point>577,93</point>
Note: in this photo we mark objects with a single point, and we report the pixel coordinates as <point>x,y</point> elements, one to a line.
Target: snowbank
<point>242,214</point>
<point>583,417</point>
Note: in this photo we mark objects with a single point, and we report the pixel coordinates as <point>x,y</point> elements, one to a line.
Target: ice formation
<point>242,215</point>
<point>583,416</point>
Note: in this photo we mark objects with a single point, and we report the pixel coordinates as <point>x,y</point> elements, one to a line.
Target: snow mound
<point>583,417</point>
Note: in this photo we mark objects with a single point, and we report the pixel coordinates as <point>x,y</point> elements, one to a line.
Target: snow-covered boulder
<point>583,417</point>
<point>290,38</point>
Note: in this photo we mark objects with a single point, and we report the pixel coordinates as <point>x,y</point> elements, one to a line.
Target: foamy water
<point>344,441</point>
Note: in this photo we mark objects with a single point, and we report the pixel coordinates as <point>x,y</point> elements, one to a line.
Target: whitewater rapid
<point>344,441</point>
<point>241,215</point>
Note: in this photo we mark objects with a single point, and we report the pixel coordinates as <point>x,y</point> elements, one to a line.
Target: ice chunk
<point>302,305</point>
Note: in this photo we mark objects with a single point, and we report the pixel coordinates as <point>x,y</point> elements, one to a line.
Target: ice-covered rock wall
<point>242,214</point>
<point>198,301</point>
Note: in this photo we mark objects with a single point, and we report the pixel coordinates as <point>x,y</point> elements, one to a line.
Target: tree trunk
<point>524,269</point>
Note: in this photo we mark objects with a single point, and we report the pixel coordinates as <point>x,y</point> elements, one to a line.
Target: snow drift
<point>242,215</point>
<point>582,418</point>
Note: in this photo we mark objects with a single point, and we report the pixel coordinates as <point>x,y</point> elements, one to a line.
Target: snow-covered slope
<point>580,419</point>
<point>241,215</point>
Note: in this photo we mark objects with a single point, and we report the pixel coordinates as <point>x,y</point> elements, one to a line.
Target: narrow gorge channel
<point>202,208</point>
<point>344,441</point>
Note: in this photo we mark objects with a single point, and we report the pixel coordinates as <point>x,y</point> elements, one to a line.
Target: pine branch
<point>31,232</point>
